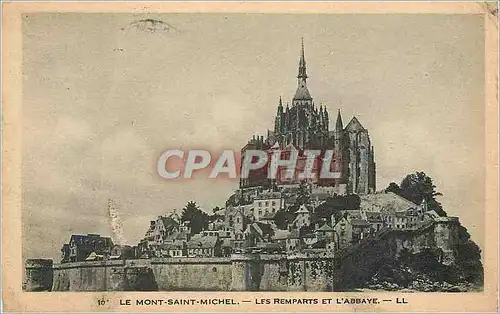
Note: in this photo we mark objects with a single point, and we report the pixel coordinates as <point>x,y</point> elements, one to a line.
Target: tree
<point>394,188</point>
<point>418,186</point>
<point>468,257</point>
<point>198,220</point>
<point>283,218</point>
<point>303,195</point>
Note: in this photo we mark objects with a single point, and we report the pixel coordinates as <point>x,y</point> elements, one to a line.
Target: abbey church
<point>302,125</point>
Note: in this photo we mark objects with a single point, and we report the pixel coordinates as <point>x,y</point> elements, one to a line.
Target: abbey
<point>305,126</point>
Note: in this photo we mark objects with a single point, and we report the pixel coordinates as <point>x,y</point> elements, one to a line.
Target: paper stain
<point>115,223</point>
<point>153,26</point>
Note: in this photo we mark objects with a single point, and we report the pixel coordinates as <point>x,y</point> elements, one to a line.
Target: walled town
<point>285,221</point>
<point>285,214</point>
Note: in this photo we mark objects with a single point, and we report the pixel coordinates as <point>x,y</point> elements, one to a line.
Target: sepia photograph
<point>225,152</point>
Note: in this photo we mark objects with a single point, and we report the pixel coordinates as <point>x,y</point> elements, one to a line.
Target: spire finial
<point>302,41</point>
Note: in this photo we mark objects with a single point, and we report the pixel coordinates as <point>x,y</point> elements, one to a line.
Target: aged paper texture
<point>250,157</point>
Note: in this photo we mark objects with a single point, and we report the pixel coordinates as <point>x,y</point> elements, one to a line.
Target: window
<point>267,203</point>
<point>273,203</point>
<point>260,204</point>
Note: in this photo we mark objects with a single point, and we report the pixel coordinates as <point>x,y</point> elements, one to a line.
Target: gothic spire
<point>338,125</point>
<point>302,92</point>
<point>302,64</point>
<point>280,106</point>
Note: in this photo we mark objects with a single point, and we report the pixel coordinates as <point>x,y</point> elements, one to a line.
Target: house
<point>238,240</point>
<point>400,220</point>
<point>376,220</point>
<point>309,239</point>
<point>343,232</point>
<point>258,232</point>
<point>280,237</point>
<point>268,219</point>
<point>325,232</point>
<point>267,203</point>
<point>303,217</point>
<point>217,224</point>
<point>81,246</point>
<point>360,229</point>
<point>95,257</point>
<point>160,231</point>
<point>226,246</point>
<point>173,250</point>
<point>204,246</point>
<point>293,241</point>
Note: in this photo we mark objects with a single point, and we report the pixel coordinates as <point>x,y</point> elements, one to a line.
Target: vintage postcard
<point>250,157</point>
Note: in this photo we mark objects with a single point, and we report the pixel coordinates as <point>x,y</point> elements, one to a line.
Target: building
<point>267,204</point>
<point>173,250</point>
<point>303,125</point>
<point>257,233</point>
<point>204,246</point>
<point>163,230</point>
<point>81,246</point>
<point>343,232</point>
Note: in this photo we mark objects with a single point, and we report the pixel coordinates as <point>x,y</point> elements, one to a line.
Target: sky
<point>104,96</point>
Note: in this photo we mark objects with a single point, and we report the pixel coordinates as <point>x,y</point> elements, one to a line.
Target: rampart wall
<point>245,272</point>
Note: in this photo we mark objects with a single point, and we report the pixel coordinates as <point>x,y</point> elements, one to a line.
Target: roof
<point>177,235</point>
<point>432,213</point>
<point>269,245</point>
<point>268,216</point>
<point>354,125</point>
<point>290,147</point>
<point>302,92</point>
<point>384,202</point>
<point>400,214</point>
<point>171,246</point>
<point>302,209</point>
<point>266,229</point>
<point>280,234</point>
<point>175,216</point>
<point>169,223</point>
<point>319,244</point>
<point>326,228</point>
<point>268,196</point>
<point>89,239</point>
<point>341,218</point>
